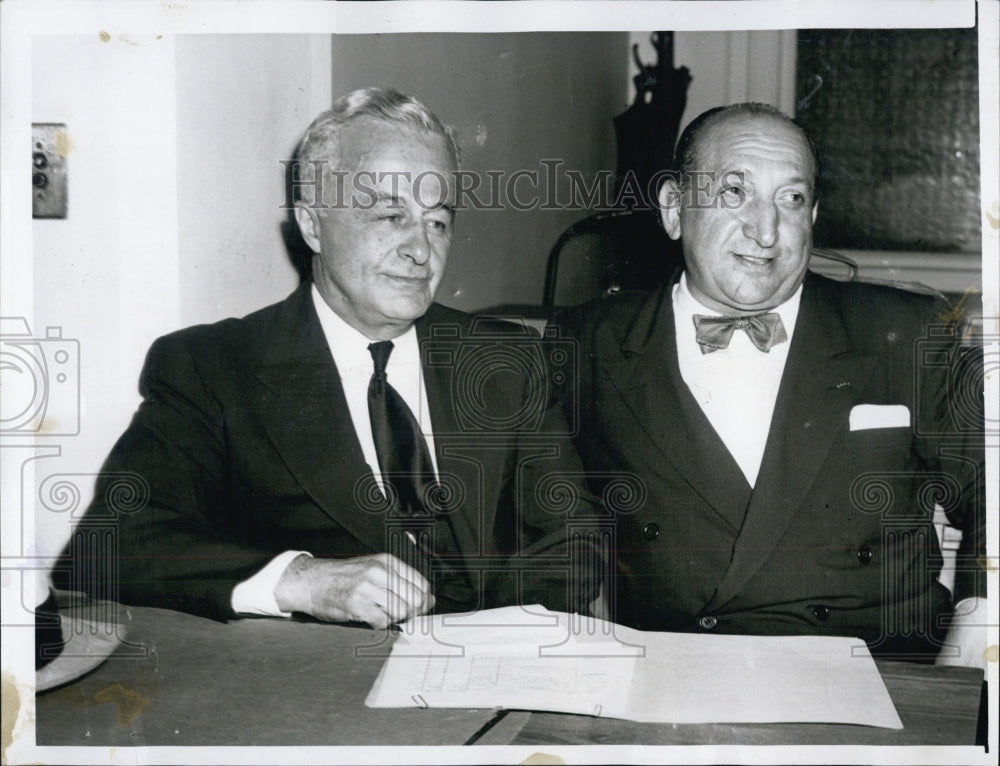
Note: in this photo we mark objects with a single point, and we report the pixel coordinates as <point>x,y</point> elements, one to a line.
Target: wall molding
<point>947,272</point>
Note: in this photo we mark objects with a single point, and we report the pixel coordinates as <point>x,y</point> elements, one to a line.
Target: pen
<point>436,560</point>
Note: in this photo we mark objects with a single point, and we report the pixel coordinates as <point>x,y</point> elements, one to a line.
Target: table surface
<point>185,680</point>
<point>937,705</point>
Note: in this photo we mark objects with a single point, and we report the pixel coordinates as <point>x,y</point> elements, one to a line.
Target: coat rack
<point>647,130</point>
<point>639,254</point>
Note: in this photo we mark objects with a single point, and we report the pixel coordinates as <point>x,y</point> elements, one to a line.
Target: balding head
<point>686,155</point>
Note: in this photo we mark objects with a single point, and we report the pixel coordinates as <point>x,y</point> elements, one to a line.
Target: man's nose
<point>760,222</point>
<point>416,244</point>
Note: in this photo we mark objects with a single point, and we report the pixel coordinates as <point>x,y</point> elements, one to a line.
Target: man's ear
<point>669,200</point>
<point>308,223</point>
<point>815,210</point>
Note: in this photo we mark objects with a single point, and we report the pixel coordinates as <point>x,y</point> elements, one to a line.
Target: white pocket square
<point>866,416</point>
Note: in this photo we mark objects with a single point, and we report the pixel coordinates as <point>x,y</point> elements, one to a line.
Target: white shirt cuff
<point>255,595</point>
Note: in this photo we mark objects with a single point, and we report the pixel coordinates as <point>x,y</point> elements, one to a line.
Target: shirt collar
<point>350,347</point>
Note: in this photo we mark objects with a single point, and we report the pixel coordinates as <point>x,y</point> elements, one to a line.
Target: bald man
<point>791,433</point>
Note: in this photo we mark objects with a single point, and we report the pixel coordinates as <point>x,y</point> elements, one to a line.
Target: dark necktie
<point>411,486</point>
<point>714,333</point>
<point>403,457</point>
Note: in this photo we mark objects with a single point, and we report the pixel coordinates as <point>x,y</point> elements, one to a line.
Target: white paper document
<point>530,658</point>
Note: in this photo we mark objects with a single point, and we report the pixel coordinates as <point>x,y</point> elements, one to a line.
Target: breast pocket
<point>878,450</point>
<point>900,437</point>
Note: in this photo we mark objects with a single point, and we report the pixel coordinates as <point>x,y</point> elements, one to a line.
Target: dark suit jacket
<point>836,536</point>
<point>243,447</point>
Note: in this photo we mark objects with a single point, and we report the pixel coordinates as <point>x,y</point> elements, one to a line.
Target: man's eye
<point>391,218</point>
<point>732,196</point>
<point>796,199</point>
<point>436,225</point>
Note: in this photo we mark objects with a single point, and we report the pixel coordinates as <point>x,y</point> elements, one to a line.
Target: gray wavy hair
<point>382,104</point>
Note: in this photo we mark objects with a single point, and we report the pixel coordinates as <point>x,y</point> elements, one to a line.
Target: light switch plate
<point>49,147</point>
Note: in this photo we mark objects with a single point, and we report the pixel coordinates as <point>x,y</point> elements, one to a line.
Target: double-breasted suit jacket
<point>836,535</point>
<point>243,447</point>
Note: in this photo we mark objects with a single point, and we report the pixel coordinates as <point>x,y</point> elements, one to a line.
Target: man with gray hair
<point>349,453</point>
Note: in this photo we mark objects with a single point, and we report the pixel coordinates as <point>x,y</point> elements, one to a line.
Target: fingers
<point>379,606</point>
<point>407,584</point>
<point>380,590</point>
<point>403,591</point>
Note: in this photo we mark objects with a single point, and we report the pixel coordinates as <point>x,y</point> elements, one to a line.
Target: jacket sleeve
<point>564,532</point>
<point>153,535</point>
<point>950,379</point>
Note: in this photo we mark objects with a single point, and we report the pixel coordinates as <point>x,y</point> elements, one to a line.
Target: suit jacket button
<point>821,613</point>
<point>651,531</point>
<point>864,554</point>
<point>708,622</point>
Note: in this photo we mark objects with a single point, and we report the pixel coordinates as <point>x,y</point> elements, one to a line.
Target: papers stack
<point>532,659</point>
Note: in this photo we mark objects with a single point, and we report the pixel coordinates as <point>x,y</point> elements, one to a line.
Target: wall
<point>730,66</point>
<point>243,102</point>
<point>734,66</point>
<point>174,194</point>
<point>107,274</point>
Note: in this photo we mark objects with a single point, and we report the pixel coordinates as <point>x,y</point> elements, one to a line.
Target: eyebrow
<point>801,180</point>
<point>745,174</point>
<point>393,199</point>
<point>397,201</point>
<point>746,178</point>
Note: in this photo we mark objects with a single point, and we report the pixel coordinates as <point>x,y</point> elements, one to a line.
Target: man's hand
<point>968,633</point>
<point>378,589</point>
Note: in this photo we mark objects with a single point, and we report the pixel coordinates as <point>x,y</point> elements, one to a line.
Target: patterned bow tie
<point>714,333</point>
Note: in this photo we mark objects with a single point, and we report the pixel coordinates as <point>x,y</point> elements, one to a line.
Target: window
<point>895,118</point>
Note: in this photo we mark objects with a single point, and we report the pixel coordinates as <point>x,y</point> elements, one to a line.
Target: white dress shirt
<point>355,366</point>
<point>736,387</point>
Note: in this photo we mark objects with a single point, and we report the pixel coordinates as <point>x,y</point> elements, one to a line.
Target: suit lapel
<point>648,378</point>
<point>454,462</point>
<point>822,379</point>
<point>305,414</point>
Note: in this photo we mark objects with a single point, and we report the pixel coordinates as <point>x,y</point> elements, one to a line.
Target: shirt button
<point>864,554</point>
<point>651,531</point>
<point>821,613</point>
<point>708,622</point>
